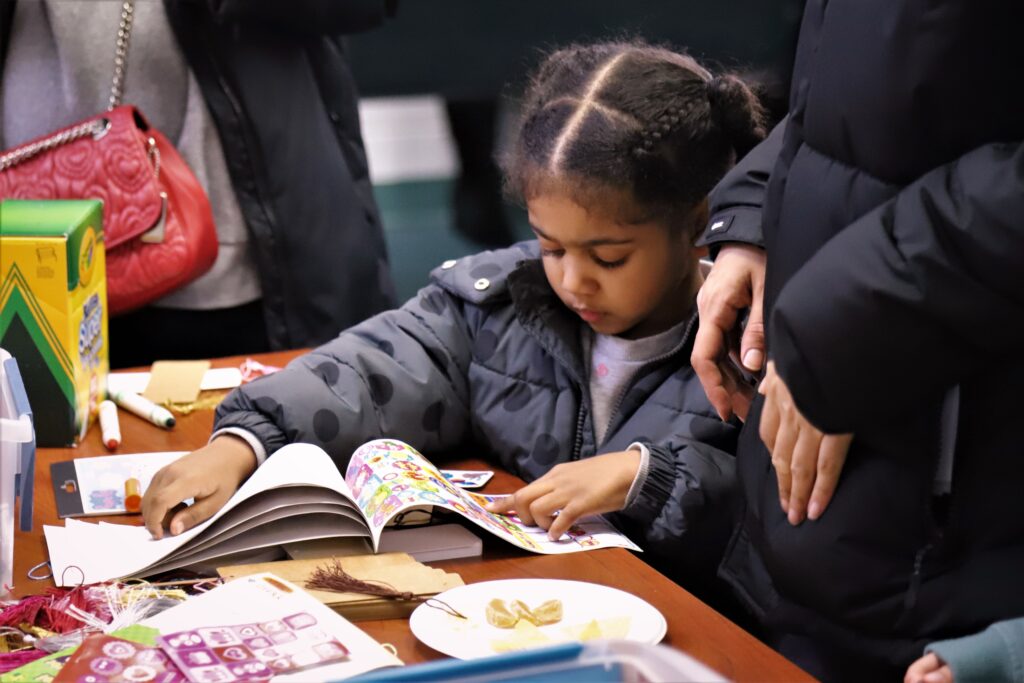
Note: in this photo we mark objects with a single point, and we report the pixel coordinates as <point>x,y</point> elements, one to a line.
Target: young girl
<point>564,358</point>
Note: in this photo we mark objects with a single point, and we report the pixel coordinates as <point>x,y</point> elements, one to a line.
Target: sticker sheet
<point>101,479</point>
<point>254,651</point>
<point>106,659</point>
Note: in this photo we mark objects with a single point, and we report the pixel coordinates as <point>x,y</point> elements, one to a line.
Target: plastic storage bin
<point>597,661</point>
<point>17,463</point>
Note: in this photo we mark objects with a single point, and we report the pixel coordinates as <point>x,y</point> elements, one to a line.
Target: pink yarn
<point>12,660</point>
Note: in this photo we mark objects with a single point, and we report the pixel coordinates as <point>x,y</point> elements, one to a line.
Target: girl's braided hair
<point>630,116</point>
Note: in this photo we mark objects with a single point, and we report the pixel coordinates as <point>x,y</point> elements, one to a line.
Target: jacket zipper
<point>257,195</point>
<point>937,531</point>
<point>578,441</point>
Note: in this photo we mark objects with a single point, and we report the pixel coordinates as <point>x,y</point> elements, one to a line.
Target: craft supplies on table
<point>397,571</point>
<point>53,310</point>
<point>98,485</point>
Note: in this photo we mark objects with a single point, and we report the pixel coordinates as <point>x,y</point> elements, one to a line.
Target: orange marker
<point>132,498</point>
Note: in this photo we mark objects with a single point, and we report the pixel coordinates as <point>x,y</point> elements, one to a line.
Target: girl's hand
<point>210,475</point>
<point>573,490</point>
<point>929,669</point>
<point>807,461</point>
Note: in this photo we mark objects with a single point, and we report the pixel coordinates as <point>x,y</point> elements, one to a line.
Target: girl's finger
<point>567,516</point>
<point>544,508</point>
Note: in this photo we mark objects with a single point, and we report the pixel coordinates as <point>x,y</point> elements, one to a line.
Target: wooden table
<point>692,626</point>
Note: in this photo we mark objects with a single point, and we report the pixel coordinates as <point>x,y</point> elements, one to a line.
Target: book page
<point>388,477</point>
<point>90,553</point>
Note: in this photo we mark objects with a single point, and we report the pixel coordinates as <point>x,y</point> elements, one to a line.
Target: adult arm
<point>920,293</point>
<point>737,200</point>
<point>735,283</point>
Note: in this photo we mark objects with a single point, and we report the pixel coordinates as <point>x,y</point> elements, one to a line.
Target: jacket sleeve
<point>303,16</point>
<point>995,654</point>
<point>917,294</point>
<point>736,202</point>
<point>401,374</point>
<point>690,486</point>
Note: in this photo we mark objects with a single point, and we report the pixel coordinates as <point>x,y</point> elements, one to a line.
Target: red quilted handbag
<point>158,228</point>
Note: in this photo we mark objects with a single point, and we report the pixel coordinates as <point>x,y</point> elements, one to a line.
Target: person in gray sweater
<point>564,358</point>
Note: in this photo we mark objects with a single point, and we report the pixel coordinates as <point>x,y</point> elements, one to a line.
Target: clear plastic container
<point>17,463</point>
<point>596,661</point>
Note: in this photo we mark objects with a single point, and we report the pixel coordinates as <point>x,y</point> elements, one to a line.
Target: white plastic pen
<point>109,425</point>
<point>144,408</point>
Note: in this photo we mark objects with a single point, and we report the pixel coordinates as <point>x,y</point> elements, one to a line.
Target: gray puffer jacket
<point>486,361</point>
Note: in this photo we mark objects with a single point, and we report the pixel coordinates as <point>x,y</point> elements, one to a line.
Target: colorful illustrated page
<point>388,476</point>
<point>255,651</point>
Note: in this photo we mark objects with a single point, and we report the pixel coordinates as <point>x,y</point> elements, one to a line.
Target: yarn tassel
<point>25,611</point>
<point>333,577</point>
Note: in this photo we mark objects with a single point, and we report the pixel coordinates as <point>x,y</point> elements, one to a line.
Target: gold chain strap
<point>124,34</point>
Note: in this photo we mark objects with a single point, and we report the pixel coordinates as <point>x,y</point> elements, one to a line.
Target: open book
<point>298,495</point>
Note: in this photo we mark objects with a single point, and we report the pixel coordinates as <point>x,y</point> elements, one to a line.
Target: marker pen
<point>132,497</point>
<point>109,425</point>
<point>144,408</point>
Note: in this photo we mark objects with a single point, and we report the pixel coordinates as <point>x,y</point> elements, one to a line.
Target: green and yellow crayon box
<point>53,310</point>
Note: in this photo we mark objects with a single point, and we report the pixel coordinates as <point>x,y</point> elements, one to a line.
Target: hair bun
<point>737,111</point>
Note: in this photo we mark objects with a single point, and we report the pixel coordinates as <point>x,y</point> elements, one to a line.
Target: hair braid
<point>632,117</point>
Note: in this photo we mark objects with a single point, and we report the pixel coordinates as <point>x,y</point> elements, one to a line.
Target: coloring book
<point>298,494</point>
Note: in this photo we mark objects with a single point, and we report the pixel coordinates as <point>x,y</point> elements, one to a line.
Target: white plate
<point>582,603</point>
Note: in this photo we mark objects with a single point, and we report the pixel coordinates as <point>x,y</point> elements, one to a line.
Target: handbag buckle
<point>155,235</point>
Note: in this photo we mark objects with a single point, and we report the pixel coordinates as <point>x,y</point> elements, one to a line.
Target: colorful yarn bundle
<point>39,625</point>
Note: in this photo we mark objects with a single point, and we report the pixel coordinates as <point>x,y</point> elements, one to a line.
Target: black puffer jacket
<point>277,82</point>
<point>894,225</point>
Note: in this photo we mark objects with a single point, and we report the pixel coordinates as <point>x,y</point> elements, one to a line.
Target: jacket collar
<point>545,318</point>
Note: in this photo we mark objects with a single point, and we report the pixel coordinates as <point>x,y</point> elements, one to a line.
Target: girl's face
<point>628,279</point>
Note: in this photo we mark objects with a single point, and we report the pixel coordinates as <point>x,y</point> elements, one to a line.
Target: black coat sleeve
<point>736,202</point>
<point>911,298</point>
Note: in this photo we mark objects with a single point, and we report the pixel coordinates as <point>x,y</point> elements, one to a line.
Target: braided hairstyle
<point>630,117</point>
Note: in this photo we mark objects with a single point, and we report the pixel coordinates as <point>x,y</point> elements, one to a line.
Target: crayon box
<point>53,310</point>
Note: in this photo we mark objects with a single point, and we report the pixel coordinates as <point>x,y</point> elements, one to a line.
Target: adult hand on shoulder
<point>573,490</point>
<point>807,461</point>
<point>210,475</point>
<point>929,669</point>
<point>735,282</point>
